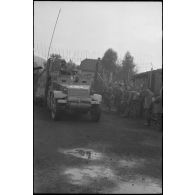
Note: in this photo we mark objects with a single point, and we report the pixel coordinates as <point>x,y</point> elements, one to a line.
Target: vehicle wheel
<point>95,113</point>
<point>54,111</point>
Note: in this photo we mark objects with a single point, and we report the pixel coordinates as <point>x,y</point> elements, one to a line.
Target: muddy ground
<point>75,155</point>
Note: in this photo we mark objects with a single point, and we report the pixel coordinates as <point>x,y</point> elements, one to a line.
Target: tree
<point>55,60</point>
<point>128,66</point>
<point>118,73</point>
<point>109,62</point>
<point>58,56</point>
<point>71,65</point>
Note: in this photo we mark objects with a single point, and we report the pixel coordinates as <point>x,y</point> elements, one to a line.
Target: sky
<point>88,29</point>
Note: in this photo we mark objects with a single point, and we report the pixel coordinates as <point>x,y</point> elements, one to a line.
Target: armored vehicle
<point>65,90</point>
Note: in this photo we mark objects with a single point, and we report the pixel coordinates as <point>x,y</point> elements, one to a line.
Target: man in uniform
<point>148,98</point>
<point>117,96</point>
<point>158,100</point>
<point>106,96</point>
<point>63,68</point>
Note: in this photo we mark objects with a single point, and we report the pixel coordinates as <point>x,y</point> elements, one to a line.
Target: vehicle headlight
<point>64,90</point>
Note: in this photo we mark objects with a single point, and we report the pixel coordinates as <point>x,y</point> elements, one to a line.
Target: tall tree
<point>118,74</point>
<point>109,62</point>
<point>56,61</point>
<point>58,56</point>
<point>70,65</point>
<point>128,66</point>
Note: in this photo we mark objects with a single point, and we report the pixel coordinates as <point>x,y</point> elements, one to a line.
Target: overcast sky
<point>90,28</point>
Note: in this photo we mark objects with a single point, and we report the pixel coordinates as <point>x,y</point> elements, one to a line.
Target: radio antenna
<point>53,34</point>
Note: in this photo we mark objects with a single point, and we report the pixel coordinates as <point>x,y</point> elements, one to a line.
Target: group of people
<point>129,102</point>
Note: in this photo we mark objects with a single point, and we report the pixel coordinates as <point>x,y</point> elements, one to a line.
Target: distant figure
<point>121,97</point>
<point>108,97</point>
<point>161,108</point>
<point>125,102</point>
<point>148,97</point>
<point>63,68</point>
<point>159,102</point>
<point>117,96</point>
<point>133,106</point>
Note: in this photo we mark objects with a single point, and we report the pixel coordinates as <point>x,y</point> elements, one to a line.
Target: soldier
<point>63,68</point>
<point>148,96</point>
<point>115,94</point>
<point>129,103</point>
<point>118,97</point>
<point>107,97</point>
<point>125,102</point>
<point>110,97</point>
<point>161,108</point>
<point>122,102</point>
<point>159,111</point>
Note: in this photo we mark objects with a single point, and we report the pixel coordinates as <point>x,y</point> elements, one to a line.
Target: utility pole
<point>47,81</point>
<point>53,33</point>
<point>150,83</point>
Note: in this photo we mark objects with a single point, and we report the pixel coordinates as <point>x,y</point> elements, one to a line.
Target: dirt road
<point>115,155</point>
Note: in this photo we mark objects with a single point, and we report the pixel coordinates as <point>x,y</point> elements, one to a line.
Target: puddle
<point>90,154</point>
<point>88,174</point>
<point>84,153</point>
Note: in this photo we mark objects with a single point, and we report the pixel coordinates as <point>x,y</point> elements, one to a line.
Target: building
<point>88,67</point>
<point>38,61</point>
<point>151,79</point>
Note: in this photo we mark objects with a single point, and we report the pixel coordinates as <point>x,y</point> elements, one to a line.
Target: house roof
<point>37,67</point>
<point>39,61</point>
<point>143,74</point>
<point>88,65</point>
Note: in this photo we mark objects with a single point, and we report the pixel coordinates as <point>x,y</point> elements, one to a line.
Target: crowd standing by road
<point>128,102</point>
